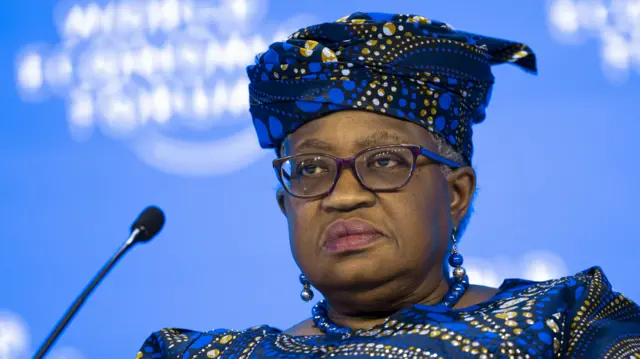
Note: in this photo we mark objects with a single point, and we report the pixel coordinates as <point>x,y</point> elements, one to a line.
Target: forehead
<point>346,132</point>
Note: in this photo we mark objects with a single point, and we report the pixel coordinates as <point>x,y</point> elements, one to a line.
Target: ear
<point>462,184</point>
<point>280,197</point>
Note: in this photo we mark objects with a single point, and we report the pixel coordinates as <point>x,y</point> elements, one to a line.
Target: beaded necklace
<point>320,313</point>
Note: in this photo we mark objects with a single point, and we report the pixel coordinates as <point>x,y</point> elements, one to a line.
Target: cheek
<point>300,218</point>
<point>423,216</point>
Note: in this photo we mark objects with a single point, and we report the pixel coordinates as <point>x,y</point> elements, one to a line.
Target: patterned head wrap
<point>404,66</point>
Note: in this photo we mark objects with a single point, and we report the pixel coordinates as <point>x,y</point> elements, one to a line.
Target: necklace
<point>320,313</point>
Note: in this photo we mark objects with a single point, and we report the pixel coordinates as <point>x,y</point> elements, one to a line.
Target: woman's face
<point>412,225</point>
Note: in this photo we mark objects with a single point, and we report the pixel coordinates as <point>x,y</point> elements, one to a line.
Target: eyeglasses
<point>382,168</point>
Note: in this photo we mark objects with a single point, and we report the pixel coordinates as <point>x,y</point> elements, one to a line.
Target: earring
<point>460,282</point>
<point>307,293</point>
<point>456,259</point>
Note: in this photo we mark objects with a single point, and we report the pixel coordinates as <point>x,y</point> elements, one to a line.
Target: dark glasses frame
<point>349,163</point>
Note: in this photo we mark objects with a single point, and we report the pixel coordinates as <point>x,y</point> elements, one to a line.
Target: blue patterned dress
<point>573,317</point>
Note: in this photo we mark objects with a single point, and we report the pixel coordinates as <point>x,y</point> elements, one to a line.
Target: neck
<point>357,313</point>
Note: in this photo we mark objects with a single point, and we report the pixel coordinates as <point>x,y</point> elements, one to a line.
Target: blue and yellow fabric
<point>404,66</point>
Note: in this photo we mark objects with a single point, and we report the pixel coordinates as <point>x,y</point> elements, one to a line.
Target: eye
<point>384,161</point>
<point>311,169</point>
<point>387,160</point>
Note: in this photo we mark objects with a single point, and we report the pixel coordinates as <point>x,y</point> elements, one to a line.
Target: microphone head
<point>149,223</point>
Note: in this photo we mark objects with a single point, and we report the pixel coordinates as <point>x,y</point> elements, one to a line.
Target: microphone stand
<point>73,309</point>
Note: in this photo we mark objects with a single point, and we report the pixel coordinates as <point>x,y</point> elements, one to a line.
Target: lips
<point>350,235</point>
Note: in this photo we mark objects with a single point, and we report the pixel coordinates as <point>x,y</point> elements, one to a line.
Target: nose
<point>348,194</point>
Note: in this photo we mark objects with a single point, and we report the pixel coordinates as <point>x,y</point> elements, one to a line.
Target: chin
<point>358,270</point>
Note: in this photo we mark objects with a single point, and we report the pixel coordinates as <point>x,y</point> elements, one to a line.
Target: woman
<point>371,120</point>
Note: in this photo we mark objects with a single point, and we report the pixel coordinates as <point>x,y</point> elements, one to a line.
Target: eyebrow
<point>380,138</point>
<point>375,139</point>
<point>314,143</point>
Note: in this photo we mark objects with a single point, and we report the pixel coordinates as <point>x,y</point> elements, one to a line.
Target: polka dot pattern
<point>404,66</point>
<point>573,317</point>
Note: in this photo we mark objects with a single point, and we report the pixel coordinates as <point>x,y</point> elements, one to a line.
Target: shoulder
<point>603,323</point>
<point>476,294</point>
<point>594,299</point>
<point>304,328</point>
<point>593,279</point>
<point>176,343</point>
<point>593,276</point>
<point>599,319</point>
<point>584,295</point>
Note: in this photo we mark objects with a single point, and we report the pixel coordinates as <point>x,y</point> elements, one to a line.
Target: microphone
<point>146,226</point>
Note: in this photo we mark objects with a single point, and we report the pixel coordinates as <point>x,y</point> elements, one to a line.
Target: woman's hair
<point>444,149</point>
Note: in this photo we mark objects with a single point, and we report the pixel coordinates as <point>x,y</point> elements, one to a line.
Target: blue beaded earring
<point>460,281</point>
<point>456,259</point>
<point>307,293</point>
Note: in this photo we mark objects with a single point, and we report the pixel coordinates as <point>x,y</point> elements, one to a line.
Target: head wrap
<point>404,66</point>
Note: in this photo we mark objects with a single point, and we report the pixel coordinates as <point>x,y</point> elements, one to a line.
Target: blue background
<point>556,162</point>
